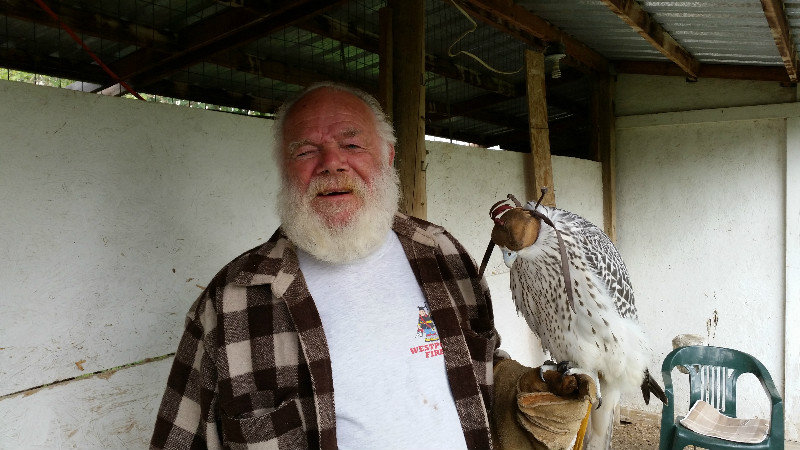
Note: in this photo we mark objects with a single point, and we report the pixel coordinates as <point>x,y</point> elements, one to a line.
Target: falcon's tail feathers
<point>649,384</point>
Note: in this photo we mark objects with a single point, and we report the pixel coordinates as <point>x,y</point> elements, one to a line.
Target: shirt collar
<point>275,261</point>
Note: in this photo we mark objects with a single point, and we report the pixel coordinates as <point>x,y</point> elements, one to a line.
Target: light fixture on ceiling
<point>554,53</point>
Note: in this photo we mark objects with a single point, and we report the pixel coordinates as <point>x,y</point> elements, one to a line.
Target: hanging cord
<point>80,42</point>
<point>472,55</point>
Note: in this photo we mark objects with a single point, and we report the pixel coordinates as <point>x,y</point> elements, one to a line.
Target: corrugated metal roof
<point>729,32</point>
<point>714,32</point>
<point>792,8</point>
<point>474,86</point>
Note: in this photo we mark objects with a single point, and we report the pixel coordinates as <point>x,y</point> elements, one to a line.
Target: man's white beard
<point>363,233</point>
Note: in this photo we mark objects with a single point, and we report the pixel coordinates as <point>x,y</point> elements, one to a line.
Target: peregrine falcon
<point>594,324</point>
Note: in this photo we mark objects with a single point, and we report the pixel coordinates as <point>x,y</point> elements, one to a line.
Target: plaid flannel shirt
<point>253,369</point>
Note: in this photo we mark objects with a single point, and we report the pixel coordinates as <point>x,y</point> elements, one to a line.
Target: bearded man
<point>310,340</point>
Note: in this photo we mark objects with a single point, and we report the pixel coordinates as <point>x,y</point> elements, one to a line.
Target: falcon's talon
<point>547,366</point>
<point>591,374</point>
<point>564,366</point>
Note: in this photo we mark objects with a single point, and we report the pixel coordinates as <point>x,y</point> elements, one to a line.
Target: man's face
<point>332,153</point>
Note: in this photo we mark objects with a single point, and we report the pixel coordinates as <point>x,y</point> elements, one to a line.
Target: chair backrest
<point>713,372</point>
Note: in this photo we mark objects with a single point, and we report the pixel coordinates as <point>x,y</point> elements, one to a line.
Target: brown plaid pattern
<point>704,419</point>
<point>253,369</point>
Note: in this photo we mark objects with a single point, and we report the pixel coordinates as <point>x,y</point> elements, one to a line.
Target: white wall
<point>648,94</point>
<point>116,210</point>
<point>104,197</point>
<point>702,220</point>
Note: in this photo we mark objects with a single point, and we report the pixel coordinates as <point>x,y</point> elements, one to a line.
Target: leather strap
<point>562,248</point>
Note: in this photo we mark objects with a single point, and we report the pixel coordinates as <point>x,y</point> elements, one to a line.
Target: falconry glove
<point>535,410</point>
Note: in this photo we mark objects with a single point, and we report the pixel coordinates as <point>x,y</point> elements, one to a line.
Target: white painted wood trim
<point>792,332</point>
<point>774,111</point>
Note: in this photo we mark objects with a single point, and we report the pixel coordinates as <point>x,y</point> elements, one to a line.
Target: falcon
<point>593,326</point>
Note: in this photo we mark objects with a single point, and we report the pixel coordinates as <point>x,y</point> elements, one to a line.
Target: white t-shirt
<point>389,381</point>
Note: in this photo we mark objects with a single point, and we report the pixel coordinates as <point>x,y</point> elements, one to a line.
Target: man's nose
<point>332,159</point>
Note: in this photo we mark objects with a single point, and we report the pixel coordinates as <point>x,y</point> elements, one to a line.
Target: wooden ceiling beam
<point>86,22</point>
<point>779,25</point>
<point>498,88</point>
<point>213,96</point>
<point>643,23</point>
<point>227,30</point>
<point>726,71</point>
<point>16,59</point>
<point>510,27</point>
<point>347,33</point>
<point>577,109</point>
<point>518,22</point>
<point>330,28</point>
<point>436,111</point>
<point>272,69</point>
<point>476,103</point>
<point>448,69</point>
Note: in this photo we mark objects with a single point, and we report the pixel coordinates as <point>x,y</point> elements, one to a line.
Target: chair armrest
<point>768,384</point>
<point>668,409</point>
<point>776,417</point>
<point>776,422</point>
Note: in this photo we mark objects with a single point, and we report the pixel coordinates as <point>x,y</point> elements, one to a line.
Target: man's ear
<point>391,155</point>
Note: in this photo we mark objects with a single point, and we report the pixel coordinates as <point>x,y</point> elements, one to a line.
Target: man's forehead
<point>334,121</point>
<point>325,96</point>
<point>306,138</point>
<point>341,129</point>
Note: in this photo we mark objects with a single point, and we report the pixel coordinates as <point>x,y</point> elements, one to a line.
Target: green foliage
<point>46,80</point>
<point>34,78</point>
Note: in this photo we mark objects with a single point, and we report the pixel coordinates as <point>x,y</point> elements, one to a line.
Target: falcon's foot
<point>591,374</point>
<point>561,367</point>
<point>560,377</point>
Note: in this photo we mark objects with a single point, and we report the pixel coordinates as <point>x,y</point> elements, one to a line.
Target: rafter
<point>277,70</point>
<point>436,111</point>
<point>358,37</point>
<point>779,25</point>
<point>213,96</point>
<point>203,39</point>
<point>499,89</point>
<point>48,65</point>
<point>476,103</point>
<point>643,23</point>
<point>522,24</point>
<point>726,71</point>
<point>92,24</point>
<point>268,68</point>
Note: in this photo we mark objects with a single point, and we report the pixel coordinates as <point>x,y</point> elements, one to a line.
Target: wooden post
<point>385,65</point>
<point>538,167</point>
<point>604,147</point>
<point>408,99</point>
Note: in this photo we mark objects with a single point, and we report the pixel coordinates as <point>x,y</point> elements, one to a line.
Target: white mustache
<point>325,184</point>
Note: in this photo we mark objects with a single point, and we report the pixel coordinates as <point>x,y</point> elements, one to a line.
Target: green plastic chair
<point>713,372</point>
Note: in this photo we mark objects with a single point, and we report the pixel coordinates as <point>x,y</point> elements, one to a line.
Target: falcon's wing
<point>605,261</point>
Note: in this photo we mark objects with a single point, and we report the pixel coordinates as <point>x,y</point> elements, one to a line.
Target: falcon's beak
<point>509,256</point>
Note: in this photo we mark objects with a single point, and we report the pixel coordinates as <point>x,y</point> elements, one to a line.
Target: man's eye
<point>304,153</point>
<point>352,146</point>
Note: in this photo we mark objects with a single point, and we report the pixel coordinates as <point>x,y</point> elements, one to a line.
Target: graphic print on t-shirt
<point>425,325</point>
<point>427,329</point>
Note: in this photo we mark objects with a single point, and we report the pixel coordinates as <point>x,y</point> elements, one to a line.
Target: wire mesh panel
<point>249,57</point>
